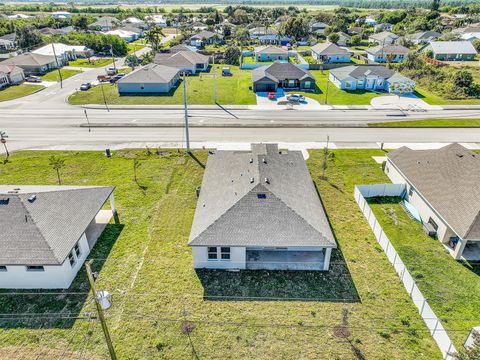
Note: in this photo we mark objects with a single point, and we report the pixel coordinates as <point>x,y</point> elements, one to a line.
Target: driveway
<point>407,102</point>
<point>281,103</point>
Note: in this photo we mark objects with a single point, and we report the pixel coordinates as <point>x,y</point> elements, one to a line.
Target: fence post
<point>395,259</point>
<point>423,305</point>
<point>413,287</point>
<point>448,351</point>
<point>403,272</point>
<point>435,328</point>
<point>386,250</point>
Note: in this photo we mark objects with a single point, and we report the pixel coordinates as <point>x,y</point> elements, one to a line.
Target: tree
<point>154,37</point>
<point>333,38</point>
<point>57,163</point>
<point>132,61</point>
<point>80,22</point>
<point>28,37</point>
<point>232,55</point>
<point>476,44</point>
<point>241,35</point>
<point>295,27</point>
<point>435,5</point>
<point>471,352</point>
<point>356,40</point>
<point>463,79</point>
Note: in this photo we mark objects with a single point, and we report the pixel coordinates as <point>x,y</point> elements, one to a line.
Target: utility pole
<point>3,140</point>
<point>187,135</point>
<point>88,121</point>
<point>104,99</point>
<point>113,58</point>
<point>326,92</point>
<point>214,82</point>
<point>58,67</point>
<point>101,316</point>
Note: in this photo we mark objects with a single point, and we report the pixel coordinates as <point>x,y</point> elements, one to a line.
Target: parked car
<point>34,79</point>
<point>85,87</point>
<point>111,70</point>
<point>295,98</point>
<point>226,71</point>
<point>271,95</point>
<point>103,78</point>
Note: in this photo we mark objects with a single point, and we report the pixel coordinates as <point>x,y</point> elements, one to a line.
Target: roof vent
<point>32,198</point>
<point>267,180</point>
<point>264,160</point>
<point>460,155</point>
<point>251,160</point>
<point>252,180</point>
<point>4,200</point>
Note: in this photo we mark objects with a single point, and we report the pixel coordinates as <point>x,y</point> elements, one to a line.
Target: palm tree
<point>56,162</point>
<point>154,37</point>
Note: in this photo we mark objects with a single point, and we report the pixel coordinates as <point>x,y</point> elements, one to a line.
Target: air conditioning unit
<point>429,230</point>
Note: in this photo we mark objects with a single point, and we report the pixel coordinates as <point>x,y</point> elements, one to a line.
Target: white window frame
<point>212,252</point>
<point>78,250</point>
<point>72,259</point>
<point>224,251</point>
<point>3,268</point>
<point>35,268</point>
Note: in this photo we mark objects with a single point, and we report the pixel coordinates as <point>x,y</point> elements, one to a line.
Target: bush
<point>232,55</point>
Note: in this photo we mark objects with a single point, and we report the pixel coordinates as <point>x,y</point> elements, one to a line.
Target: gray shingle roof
<point>180,58</point>
<point>151,73</point>
<point>30,59</point>
<point>229,211</point>
<point>205,34</point>
<point>280,71</point>
<point>44,231</point>
<point>328,48</point>
<point>269,49</point>
<point>359,71</point>
<point>452,47</point>
<point>384,35</point>
<point>449,179</point>
<point>423,35</point>
<point>105,21</point>
<point>388,49</point>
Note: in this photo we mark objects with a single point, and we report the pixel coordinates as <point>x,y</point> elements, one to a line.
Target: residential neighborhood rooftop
<point>452,47</point>
<point>280,71</point>
<point>151,73</point>
<point>328,48</point>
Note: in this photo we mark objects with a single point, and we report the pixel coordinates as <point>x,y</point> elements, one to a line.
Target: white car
<point>295,98</point>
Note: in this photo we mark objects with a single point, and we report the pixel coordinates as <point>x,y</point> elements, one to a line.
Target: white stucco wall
<point>54,277</point>
<point>237,259</point>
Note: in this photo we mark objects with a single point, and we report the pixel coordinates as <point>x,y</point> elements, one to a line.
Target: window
<point>3,268</point>
<point>291,83</point>
<point>261,196</point>
<point>212,253</point>
<point>225,253</point>
<point>348,84</point>
<point>35,268</point>
<point>410,191</point>
<point>433,223</point>
<point>308,84</point>
<point>71,258</point>
<point>77,250</point>
<point>380,82</point>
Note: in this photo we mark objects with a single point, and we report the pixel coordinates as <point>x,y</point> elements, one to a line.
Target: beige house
<point>443,185</point>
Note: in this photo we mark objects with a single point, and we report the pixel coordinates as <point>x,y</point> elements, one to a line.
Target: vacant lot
<point>18,91</point>
<point>231,90</point>
<point>55,76</point>
<point>357,310</point>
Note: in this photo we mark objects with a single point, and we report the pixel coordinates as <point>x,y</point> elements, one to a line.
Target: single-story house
<point>329,53</point>
<point>48,232</point>
<point>138,31</point>
<point>205,37</point>
<point>158,20</point>
<point>180,47</point>
<point>470,36</point>
<point>136,22</point>
<point>10,75</point>
<point>64,52</point>
<point>423,37</point>
<point>282,75</point>
<point>6,45</point>
<point>370,21</point>
<point>383,27</point>
<point>33,64</point>
<point>318,28</point>
<point>183,60</point>
<point>275,40</point>
<point>126,35</point>
<point>152,78</point>
<point>270,53</point>
<point>10,37</point>
<point>387,53</point>
<point>256,32</point>
<point>372,78</point>
<point>343,38</point>
<point>53,31</point>
<point>18,16</point>
<point>259,209</point>
<point>451,50</point>
<point>198,26</point>
<point>61,14</point>
<point>355,30</point>
<point>443,186</point>
<point>383,38</point>
<point>105,23</point>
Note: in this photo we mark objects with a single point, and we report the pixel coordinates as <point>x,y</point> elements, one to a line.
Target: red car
<point>271,95</point>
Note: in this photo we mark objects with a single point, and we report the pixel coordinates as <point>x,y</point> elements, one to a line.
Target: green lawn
<point>54,76</point>
<point>231,90</point>
<point>434,99</point>
<point>430,123</point>
<point>335,95</point>
<point>251,60</point>
<point>18,91</point>
<point>134,46</point>
<point>93,63</point>
<point>147,266</point>
<point>450,286</point>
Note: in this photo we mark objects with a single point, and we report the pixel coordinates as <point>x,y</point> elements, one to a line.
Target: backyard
<point>54,76</point>
<point>91,63</point>
<point>231,90</point>
<point>162,308</point>
<point>18,91</point>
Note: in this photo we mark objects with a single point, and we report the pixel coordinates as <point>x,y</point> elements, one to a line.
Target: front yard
<point>231,90</point>
<point>91,63</point>
<point>54,76</point>
<point>358,310</point>
<point>18,91</point>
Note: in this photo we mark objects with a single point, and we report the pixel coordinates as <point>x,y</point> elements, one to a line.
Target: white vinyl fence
<point>431,320</point>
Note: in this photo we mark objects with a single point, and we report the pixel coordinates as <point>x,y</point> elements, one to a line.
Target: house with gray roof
<point>270,53</point>
<point>32,63</point>
<point>105,23</point>
<point>443,186</point>
<point>186,61</point>
<point>423,37</point>
<point>451,50</point>
<point>329,53</point>
<point>383,38</point>
<point>372,78</point>
<point>48,232</point>
<point>318,28</point>
<point>10,75</point>
<point>259,209</point>
<point>387,53</point>
<point>287,76</point>
<point>151,78</point>
<point>205,37</point>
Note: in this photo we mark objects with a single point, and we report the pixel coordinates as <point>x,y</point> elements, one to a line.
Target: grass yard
<point>134,47</point>
<point>54,76</point>
<point>335,95</point>
<point>93,63</point>
<point>231,90</point>
<point>430,123</point>
<point>450,286</point>
<point>18,91</point>
<point>158,297</point>
<point>252,60</point>
<point>434,99</point>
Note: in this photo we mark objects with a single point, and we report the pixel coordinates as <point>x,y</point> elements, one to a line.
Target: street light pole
<point>214,82</point>
<point>326,92</point>
<point>58,67</point>
<point>88,121</point>
<point>187,135</point>
<point>103,94</point>
<point>113,58</point>
<point>3,140</point>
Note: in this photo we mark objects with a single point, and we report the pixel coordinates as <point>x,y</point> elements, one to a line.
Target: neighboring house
<point>471,36</point>
<point>443,186</point>
<point>370,21</point>
<point>383,27</point>
<point>356,30</point>
<point>257,32</point>
<point>274,40</point>
<point>126,35</point>
<point>205,37</point>
<point>158,20</point>
<point>198,26</point>
<point>10,37</point>
<point>318,28</point>
<point>48,232</point>
<point>424,37</point>
<point>138,31</point>
<point>18,16</point>
<point>33,64</point>
<point>451,50</point>
<point>6,45</point>
<point>285,76</point>
<point>151,78</point>
<point>372,78</point>
<point>270,53</point>
<point>61,15</point>
<point>260,209</point>
<point>387,53</point>
<point>383,38</point>
<point>329,53</point>
<point>62,31</point>
<point>187,61</point>
<point>105,23</point>
<point>181,47</point>
<point>10,75</point>
<point>136,22</point>
<point>343,38</point>
<point>64,52</point>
